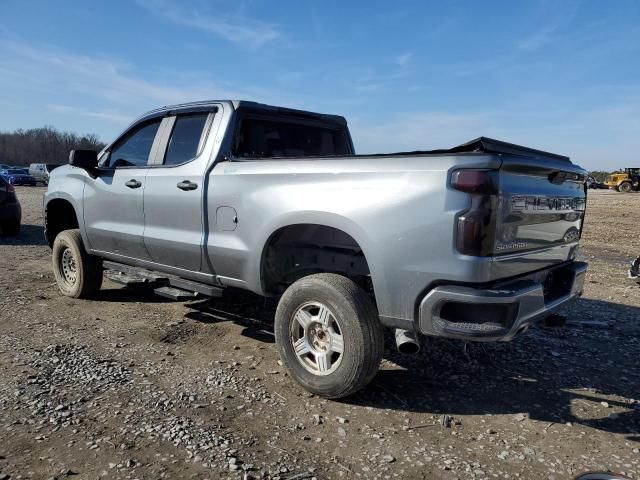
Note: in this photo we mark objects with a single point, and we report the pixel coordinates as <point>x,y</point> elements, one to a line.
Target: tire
<point>625,187</point>
<point>10,227</point>
<point>338,315</point>
<point>77,273</point>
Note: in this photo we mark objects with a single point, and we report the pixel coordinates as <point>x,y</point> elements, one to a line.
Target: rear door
<point>173,195</point>
<point>113,201</point>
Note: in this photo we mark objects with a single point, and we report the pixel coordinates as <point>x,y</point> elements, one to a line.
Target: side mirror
<point>85,159</point>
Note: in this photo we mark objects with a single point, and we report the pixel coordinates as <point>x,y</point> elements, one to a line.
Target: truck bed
<point>478,145</point>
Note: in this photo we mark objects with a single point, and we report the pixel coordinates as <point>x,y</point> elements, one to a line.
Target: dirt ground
<point>130,386</point>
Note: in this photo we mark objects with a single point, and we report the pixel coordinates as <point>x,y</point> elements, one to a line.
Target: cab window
<point>267,138</point>
<point>185,138</point>
<point>133,149</point>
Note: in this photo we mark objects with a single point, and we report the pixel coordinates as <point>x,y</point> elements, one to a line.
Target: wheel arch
<point>336,238</point>
<point>60,214</point>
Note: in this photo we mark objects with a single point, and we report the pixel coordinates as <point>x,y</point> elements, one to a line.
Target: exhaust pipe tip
<point>406,342</point>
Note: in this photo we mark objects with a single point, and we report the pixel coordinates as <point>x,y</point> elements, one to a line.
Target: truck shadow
<point>29,235</point>
<point>553,375</point>
<point>583,374</point>
<point>130,294</point>
<point>253,313</point>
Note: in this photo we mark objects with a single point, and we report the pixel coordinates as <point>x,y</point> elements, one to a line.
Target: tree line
<point>600,175</point>
<point>43,145</point>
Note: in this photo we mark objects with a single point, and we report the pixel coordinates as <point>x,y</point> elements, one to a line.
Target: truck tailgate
<point>541,204</point>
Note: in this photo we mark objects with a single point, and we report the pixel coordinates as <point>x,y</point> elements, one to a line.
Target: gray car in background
<point>475,242</point>
<point>41,171</point>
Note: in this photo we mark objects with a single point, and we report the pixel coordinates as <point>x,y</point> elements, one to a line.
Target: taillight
<point>475,228</point>
<point>475,181</point>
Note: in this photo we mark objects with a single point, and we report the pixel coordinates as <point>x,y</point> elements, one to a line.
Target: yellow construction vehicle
<point>627,181</point>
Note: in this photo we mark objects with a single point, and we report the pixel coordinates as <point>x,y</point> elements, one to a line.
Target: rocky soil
<point>129,386</point>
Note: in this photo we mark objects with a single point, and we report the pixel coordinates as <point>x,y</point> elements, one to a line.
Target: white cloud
<point>551,18</point>
<point>238,29</point>
<point>538,39</point>
<point>418,131</point>
<point>597,139</point>
<point>74,88</point>
<point>404,59</point>
<point>58,73</point>
<point>110,116</point>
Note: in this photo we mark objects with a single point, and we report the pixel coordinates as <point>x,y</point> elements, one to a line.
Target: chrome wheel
<point>317,339</point>
<point>68,266</point>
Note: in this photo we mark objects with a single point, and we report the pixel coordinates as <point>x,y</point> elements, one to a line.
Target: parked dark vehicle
<point>10,210</point>
<point>18,176</point>
<point>595,184</point>
<point>41,171</point>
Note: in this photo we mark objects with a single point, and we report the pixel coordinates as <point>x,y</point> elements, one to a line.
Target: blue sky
<point>557,75</point>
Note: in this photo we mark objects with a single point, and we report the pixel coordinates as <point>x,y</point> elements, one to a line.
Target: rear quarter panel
<point>399,210</point>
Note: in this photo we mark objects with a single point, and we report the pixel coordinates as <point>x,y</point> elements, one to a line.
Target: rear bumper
<point>501,312</point>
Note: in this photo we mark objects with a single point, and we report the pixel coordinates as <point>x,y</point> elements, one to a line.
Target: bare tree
<point>43,145</point>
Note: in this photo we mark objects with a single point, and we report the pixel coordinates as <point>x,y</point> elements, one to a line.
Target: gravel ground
<point>130,386</point>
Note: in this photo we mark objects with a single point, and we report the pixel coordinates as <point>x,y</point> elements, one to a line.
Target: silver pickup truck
<point>476,242</point>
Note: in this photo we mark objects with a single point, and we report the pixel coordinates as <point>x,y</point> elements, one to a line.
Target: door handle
<point>187,185</point>
<point>133,183</point>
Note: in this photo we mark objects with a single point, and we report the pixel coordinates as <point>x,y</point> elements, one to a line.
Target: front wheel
<point>77,273</point>
<point>328,335</point>
<point>625,187</point>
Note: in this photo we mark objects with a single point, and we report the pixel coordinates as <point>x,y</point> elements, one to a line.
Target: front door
<point>113,201</point>
<point>174,194</point>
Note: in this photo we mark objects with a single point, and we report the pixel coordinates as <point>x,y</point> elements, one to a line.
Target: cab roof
<point>240,105</point>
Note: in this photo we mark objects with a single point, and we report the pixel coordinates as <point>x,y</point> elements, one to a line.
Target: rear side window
<point>260,138</point>
<point>185,138</point>
<point>133,150</point>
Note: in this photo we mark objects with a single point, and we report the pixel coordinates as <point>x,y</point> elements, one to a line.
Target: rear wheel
<point>329,335</point>
<point>625,187</point>
<point>77,273</point>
